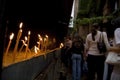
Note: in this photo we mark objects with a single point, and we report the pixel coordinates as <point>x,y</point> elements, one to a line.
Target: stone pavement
<point>56,71</point>
<point>63,73</point>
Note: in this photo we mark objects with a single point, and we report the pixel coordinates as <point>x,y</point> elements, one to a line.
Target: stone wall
<point>29,69</point>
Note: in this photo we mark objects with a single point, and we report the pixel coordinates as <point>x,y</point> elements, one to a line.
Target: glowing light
<point>28,40</point>
<point>29,32</point>
<point>61,45</point>
<point>18,38</point>
<point>11,37</point>
<point>21,24</point>
<point>25,38</point>
<point>36,49</point>
<point>24,44</point>
<point>46,36</point>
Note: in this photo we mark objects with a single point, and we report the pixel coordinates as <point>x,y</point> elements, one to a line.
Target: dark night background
<point>44,17</point>
<point>39,16</point>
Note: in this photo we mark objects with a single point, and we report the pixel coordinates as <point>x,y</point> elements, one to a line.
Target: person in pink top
<point>95,59</point>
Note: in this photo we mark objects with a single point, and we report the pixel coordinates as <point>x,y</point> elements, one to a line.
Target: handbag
<point>113,58</point>
<point>101,44</point>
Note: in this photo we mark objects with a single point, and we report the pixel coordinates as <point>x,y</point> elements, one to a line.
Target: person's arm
<point>114,49</point>
<point>86,48</point>
<point>106,40</point>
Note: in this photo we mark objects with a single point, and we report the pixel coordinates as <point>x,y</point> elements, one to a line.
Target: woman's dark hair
<point>77,37</point>
<point>95,25</point>
<point>94,30</point>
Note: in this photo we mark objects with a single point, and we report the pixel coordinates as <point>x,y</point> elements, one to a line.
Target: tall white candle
<point>11,37</point>
<point>46,44</point>
<point>18,38</point>
<point>27,47</point>
<point>24,42</point>
<point>40,41</point>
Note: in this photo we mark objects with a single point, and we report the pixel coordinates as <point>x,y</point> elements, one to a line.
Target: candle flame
<point>46,36</point>
<point>29,32</point>
<point>25,38</point>
<point>21,25</point>
<point>44,39</point>
<point>11,36</point>
<point>40,39</point>
<point>38,42</point>
<point>39,35</point>
<point>36,49</point>
<point>61,45</point>
<point>21,30</point>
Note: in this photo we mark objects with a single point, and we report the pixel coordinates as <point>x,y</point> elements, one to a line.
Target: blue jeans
<point>105,74</point>
<point>107,71</point>
<point>76,66</point>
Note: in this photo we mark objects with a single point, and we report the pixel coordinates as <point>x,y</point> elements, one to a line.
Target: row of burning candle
<point>24,41</point>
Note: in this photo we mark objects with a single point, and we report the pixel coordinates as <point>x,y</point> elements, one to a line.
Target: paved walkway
<point>56,71</point>
<point>66,74</point>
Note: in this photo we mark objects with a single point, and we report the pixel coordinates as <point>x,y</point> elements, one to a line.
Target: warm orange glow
<point>39,35</point>
<point>44,39</point>
<point>46,36</point>
<point>25,38</point>
<point>21,25</point>
<point>36,49</point>
<point>40,39</point>
<point>21,30</point>
<point>61,45</point>
<point>23,41</point>
<point>38,42</point>
<point>29,32</point>
<point>25,44</point>
<point>11,36</point>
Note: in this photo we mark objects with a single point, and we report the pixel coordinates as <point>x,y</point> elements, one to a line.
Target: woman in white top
<point>95,59</point>
<point>116,70</point>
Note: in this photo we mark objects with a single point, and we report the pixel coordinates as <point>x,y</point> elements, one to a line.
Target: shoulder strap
<point>101,37</point>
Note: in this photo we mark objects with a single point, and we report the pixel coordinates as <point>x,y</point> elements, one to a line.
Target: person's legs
<point>105,74</point>
<point>73,67</point>
<point>100,67</point>
<point>91,67</point>
<point>110,69</point>
<point>79,58</point>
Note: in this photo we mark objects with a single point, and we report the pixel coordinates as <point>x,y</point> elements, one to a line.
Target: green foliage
<point>82,13</point>
<point>87,21</point>
<point>83,4</point>
<point>88,8</point>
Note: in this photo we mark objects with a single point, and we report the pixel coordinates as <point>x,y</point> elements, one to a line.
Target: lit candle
<point>18,38</point>
<point>36,49</point>
<point>46,41</point>
<point>24,43</point>
<point>11,37</point>
<point>61,45</point>
<point>40,41</point>
<point>27,47</point>
<point>46,36</point>
<point>45,44</point>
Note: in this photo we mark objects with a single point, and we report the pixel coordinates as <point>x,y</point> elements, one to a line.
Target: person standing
<point>77,50</point>
<point>95,59</point>
<point>116,48</point>
<point>107,67</point>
